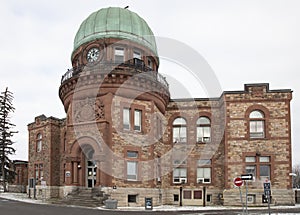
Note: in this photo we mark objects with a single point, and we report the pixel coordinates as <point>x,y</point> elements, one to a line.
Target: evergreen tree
<point>296,176</point>
<point>6,149</point>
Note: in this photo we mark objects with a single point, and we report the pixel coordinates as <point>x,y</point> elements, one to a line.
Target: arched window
<point>39,142</point>
<point>203,130</point>
<point>179,130</point>
<point>257,124</point>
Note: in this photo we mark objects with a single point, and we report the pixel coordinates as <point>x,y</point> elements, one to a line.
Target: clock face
<point>93,55</point>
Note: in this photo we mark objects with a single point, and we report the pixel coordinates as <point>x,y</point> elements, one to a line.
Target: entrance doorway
<point>91,173</point>
<point>91,166</point>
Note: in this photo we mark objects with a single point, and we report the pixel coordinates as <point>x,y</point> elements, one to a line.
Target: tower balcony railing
<point>132,68</point>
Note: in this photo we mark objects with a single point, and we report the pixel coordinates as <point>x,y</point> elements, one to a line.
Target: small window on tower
<point>137,54</point>
<point>126,118</point>
<point>150,64</point>
<point>137,120</point>
<point>39,142</point>
<point>119,55</point>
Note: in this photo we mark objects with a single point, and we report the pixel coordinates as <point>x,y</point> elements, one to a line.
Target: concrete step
<point>83,197</point>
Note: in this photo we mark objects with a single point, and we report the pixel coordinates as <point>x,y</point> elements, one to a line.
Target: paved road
<point>10,207</point>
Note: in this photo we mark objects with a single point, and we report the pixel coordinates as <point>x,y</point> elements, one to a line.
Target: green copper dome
<point>114,22</point>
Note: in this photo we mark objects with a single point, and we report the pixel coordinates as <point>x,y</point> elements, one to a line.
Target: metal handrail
<point>148,72</point>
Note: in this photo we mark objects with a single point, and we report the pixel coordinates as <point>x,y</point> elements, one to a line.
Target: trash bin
<point>111,203</point>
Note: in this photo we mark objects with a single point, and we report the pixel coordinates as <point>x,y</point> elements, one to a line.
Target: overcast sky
<point>244,41</point>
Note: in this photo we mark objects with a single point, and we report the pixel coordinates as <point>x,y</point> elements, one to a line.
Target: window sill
<point>133,181</point>
<point>132,131</point>
<point>201,142</point>
<point>257,138</point>
<point>179,142</point>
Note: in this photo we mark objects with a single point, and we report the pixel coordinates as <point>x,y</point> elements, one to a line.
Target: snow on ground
<point>24,198</point>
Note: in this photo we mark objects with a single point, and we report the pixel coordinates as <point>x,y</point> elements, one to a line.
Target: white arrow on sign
<point>247,177</point>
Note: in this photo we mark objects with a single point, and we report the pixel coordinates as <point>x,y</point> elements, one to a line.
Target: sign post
<point>247,177</point>
<point>239,182</point>
<point>267,191</point>
<point>246,196</point>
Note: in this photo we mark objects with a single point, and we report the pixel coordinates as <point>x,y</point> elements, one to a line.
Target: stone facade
<point>124,135</point>
<point>276,144</point>
<point>230,144</point>
<point>21,177</point>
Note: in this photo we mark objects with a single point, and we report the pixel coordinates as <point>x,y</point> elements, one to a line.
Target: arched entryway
<point>84,161</point>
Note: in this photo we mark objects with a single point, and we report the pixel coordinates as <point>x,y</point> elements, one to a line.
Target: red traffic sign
<point>238,182</point>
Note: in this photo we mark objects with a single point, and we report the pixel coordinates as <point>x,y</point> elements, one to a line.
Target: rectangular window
<point>137,54</point>
<point>177,162</point>
<point>203,162</point>
<point>250,159</point>
<point>36,173</point>
<point>132,170</point>
<point>39,172</point>
<point>260,166</point>
<point>119,55</point>
<point>208,198</point>
<point>187,194</point>
<point>132,198</point>
<point>264,159</point>
<point>126,118</point>
<point>132,165</point>
<point>264,171</point>
<point>180,175</point>
<point>179,135</point>
<point>159,128</point>
<point>251,170</point>
<point>176,197</point>
<point>137,120</point>
<point>132,154</point>
<point>204,175</point>
<point>203,134</point>
<point>39,143</point>
<point>150,64</point>
<point>39,146</point>
<point>257,129</point>
<point>198,194</point>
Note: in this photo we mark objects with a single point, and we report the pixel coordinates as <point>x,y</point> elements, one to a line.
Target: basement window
<point>208,198</point>
<point>132,198</point>
<point>176,197</point>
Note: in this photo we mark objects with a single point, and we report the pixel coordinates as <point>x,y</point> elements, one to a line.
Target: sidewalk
<point>24,198</point>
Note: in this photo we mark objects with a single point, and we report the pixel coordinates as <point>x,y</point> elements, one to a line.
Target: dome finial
<point>126,7</point>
